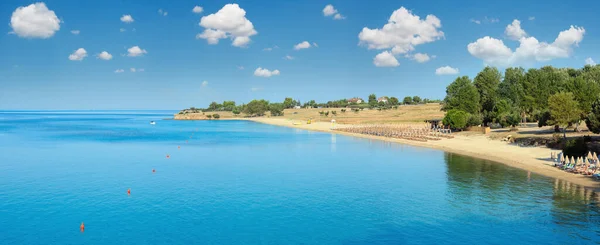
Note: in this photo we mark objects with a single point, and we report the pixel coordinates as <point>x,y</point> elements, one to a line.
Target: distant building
<point>383,99</point>
<point>297,107</point>
<point>355,100</point>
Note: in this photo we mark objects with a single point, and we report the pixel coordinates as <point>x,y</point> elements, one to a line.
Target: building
<point>383,99</point>
<point>355,100</point>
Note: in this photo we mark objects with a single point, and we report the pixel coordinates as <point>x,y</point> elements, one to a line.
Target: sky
<point>126,54</point>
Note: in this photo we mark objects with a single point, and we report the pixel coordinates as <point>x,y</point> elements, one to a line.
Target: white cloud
<point>255,89</point>
<point>514,31</point>
<point>75,32</point>
<point>136,51</point>
<point>289,57</point>
<point>329,10</point>
<point>315,44</point>
<point>240,67</point>
<point>339,17</point>
<point>197,9</point>
<point>132,69</point>
<point>230,21</point>
<point>105,55</point>
<point>302,45</point>
<point>403,32</point>
<point>162,12</point>
<point>446,70</point>
<point>385,59</point>
<point>270,49</point>
<point>492,20</point>
<point>122,30</point>
<point>78,55</point>
<point>260,72</point>
<point>119,71</point>
<point>532,18</point>
<point>421,58</point>
<point>204,83</point>
<point>127,18</point>
<point>494,52</point>
<point>590,61</point>
<point>34,21</point>
<point>475,21</point>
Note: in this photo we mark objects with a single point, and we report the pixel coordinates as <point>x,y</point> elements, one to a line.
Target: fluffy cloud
<point>514,31</point>
<point>402,33</point>
<point>302,45</point>
<point>240,67</point>
<point>105,55</point>
<point>34,21</point>
<point>329,10</point>
<point>270,49</point>
<point>136,51</point>
<point>531,18</point>
<point>475,21</point>
<point>119,71</point>
<point>485,20</point>
<point>132,69</point>
<point>421,58</point>
<point>230,21</point>
<point>446,70</point>
<point>162,12</point>
<point>126,18</point>
<point>122,30</point>
<point>288,57</point>
<point>75,32</point>
<point>197,9</point>
<point>590,61</point>
<point>494,52</point>
<point>204,83</point>
<point>78,55</point>
<point>255,89</point>
<point>260,72</point>
<point>385,59</point>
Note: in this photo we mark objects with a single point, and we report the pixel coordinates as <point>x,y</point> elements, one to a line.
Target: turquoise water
<point>238,182</point>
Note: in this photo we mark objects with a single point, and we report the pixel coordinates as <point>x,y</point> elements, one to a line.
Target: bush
<point>587,138</point>
<point>236,111</point>
<point>326,113</point>
<point>209,116</point>
<point>543,118</point>
<point>343,110</point>
<point>356,110</point>
<point>334,112</point>
<point>216,116</point>
<point>593,118</point>
<point>475,120</point>
<point>321,113</point>
<point>575,147</point>
<point>456,119</point>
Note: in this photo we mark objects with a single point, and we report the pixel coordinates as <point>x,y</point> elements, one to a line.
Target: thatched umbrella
<point>562,158</point>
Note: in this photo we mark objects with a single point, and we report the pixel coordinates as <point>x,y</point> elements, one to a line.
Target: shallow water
<point>238,182</point>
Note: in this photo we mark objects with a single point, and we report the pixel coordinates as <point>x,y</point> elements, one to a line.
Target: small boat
<point>152,122</point>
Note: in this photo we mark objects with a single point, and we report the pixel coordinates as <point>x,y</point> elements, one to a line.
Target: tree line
<point>550,96</point>
<point>260,107</point>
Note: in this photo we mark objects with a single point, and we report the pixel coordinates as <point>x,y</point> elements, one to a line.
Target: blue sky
<point>36,72</point>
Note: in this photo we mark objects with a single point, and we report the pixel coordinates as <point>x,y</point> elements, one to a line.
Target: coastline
<point>533,159</point>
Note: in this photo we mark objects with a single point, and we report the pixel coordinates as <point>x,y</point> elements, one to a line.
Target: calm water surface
<point>240,182</point>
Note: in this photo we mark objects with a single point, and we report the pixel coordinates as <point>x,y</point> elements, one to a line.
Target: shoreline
<point>533,159</point>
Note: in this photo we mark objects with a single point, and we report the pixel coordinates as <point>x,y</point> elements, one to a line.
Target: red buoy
<point>128,191</point>
<point>82,227</point>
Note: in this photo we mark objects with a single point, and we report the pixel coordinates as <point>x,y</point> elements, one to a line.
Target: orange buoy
<point>82,227</point>
<point>128,191</point>
<point>168,156</point>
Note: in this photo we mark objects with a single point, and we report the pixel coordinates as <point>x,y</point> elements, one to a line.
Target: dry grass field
<point>404,114</point>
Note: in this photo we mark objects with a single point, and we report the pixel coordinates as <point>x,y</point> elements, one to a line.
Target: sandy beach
<point>533,159</point>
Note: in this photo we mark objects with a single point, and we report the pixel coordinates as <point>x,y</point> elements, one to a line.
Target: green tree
<point>276,109</point>
<point>216,116</point>
<point>585,92</point>
<point>289,103</point>
<point>407,100</point>
<point>416,99</point>
<point>209,116</point>
<point>456,119</point>
<point>214,106</point>
<point>257,107</point>
<point>228,105</point>
<point>373,100</point>
<point>487,82</point>
<point>511,88</point>
<point>462,95</point>
<point>564,110</point>
<point>236,111</point>
<point>593,119</point>
<point>393,101</point>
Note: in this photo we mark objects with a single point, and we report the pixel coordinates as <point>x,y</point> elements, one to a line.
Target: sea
<point>241,182</point>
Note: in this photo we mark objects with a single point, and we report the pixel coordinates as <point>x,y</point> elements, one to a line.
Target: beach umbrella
<point>562,158</point>
<point>572,160</point>
<point>589,155</point>
<point>595,156</point>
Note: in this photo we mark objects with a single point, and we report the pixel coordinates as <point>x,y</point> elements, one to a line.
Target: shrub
<point>587,138</point>
<point>334,112</point>
<point>356,110</point>
<point>209,116</point>
<point>216,116</point>
<point>543,118</point>
<point>343,110</point>
<point>475,120</point>
<point>236,111</point>
<point>321,113</point>
<point>327,113</point>
<point>575,147</point>
<point>456,119</point>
